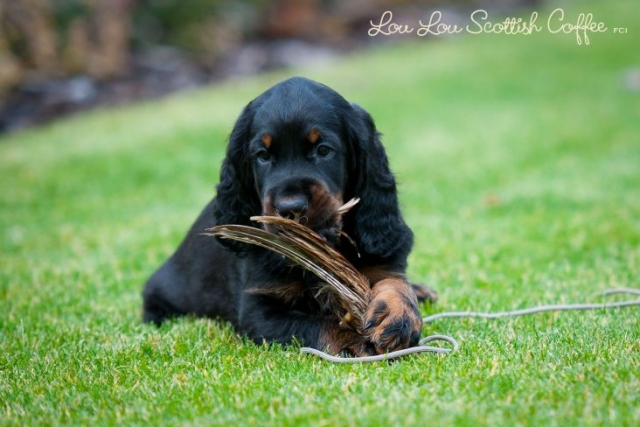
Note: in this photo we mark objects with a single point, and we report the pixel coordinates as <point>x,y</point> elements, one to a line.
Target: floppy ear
<point>380,231</point>
<point>236,199</point>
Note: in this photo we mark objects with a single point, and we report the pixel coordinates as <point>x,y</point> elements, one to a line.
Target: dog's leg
<point>393,321</point>
<point>266,321</point>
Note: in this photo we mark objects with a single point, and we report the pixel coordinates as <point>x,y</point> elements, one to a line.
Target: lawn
<point>518,159</point>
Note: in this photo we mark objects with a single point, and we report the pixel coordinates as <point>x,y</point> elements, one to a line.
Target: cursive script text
<point>583,26</point>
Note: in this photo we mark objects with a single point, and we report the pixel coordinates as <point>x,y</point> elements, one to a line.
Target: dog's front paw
<point>392,321</point>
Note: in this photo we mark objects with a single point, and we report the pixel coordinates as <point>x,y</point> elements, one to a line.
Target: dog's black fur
<point>299,149</point>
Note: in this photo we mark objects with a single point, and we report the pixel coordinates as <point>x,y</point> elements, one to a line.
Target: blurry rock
<point>77,90</point>
<point>256,57</point>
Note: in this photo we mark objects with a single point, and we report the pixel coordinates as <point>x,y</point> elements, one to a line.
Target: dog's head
<point>300,150</point>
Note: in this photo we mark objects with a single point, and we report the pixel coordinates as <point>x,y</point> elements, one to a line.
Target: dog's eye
<point>324,150</point>
<point>263,156</point>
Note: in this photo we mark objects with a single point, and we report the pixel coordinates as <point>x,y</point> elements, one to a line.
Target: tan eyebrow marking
<point>266,140</point>
<point>314,135</point>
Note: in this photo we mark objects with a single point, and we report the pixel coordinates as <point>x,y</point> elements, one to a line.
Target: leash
<point>422,346</point>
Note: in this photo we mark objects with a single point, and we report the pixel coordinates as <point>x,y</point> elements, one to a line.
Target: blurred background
<point>62,56</point>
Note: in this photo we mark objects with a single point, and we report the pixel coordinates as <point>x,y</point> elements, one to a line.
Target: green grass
<point>519,167</point>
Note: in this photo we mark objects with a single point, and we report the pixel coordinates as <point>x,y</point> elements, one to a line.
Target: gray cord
<point>422,347</point>
<point>628,291</point>
<point>526,311</point>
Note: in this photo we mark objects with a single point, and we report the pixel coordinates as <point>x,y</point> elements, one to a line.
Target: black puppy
<point>299,149</point>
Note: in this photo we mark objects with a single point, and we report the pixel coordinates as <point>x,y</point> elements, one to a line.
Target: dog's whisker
<point>352,242</point>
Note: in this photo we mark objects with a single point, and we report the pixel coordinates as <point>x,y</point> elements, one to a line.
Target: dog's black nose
<point>291,206</point>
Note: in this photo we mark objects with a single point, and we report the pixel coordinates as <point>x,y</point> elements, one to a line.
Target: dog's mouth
<point>326,222</point>
<point>318,209</point>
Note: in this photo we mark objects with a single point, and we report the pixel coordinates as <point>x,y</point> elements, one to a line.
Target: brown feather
<point>346,290</point>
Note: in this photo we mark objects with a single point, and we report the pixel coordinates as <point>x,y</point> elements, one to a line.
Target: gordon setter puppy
<point>297,150</point>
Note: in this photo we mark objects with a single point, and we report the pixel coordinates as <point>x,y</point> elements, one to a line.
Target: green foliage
<point>518,166</point>
<point>168,22</point>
